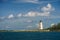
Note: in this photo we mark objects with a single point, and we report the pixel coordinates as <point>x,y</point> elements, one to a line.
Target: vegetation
<point>55,27</point>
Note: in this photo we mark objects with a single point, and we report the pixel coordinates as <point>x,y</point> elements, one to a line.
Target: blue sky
<point>26,14</point>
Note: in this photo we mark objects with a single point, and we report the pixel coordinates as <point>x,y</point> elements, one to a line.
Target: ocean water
<point>29,35</point>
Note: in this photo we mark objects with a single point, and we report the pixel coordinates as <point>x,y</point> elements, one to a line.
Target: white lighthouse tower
<point>40,25</point>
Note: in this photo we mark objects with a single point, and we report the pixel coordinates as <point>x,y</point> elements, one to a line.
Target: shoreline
<point>27,31</point>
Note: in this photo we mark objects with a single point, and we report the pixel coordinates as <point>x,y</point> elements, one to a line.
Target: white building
<point>40,25</point>
<point>52,24</point>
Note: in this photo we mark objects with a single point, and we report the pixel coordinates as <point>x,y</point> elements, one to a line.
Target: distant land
<point>54,28</point>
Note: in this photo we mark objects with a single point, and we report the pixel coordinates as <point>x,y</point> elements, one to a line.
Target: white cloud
<point>26,1</point>
<point>10,16</point>
<point>47,8</point>
<point>44,14</point>
<point>33,14</point>
<point>32,1</point>
<point>29,26</point>
<point>29,21</point>
<point>37,24</point>
<point>19,15</point>
<point>2,17</point>
<point>8,26</point>
<point>53,17</point>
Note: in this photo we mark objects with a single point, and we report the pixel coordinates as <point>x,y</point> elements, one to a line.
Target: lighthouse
<point>40,25</point>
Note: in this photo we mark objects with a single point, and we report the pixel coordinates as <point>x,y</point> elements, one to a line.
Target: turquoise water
<point>29,35</point>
